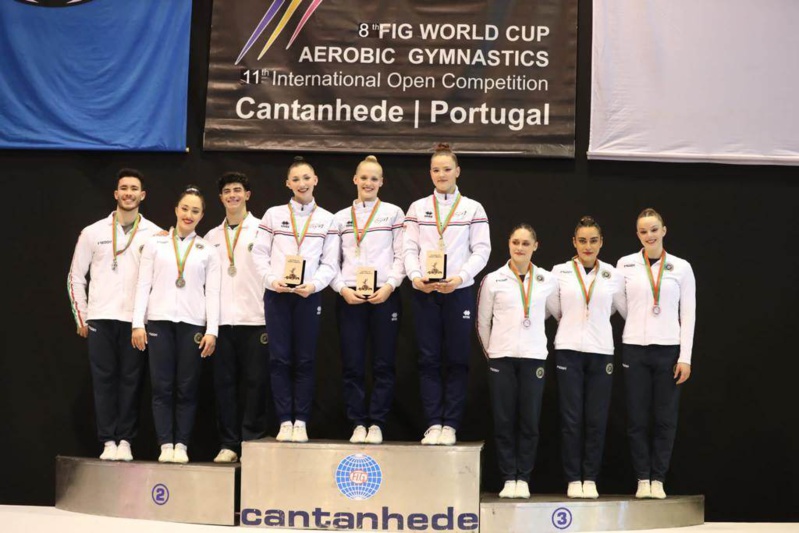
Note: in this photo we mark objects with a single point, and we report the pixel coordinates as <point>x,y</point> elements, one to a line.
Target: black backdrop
<point>738,437</point>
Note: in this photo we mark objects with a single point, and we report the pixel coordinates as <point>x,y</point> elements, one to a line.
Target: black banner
<point>489,77</point>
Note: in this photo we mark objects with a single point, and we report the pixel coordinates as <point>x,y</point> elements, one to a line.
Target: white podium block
<point>335,485</point>
<point>196,493</point>
<point>608,513</point>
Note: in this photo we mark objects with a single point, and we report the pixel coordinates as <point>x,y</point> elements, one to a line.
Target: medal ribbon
<point>300,238</point>
<point>442,228</point>
<point>230,248</point>
<point>586,294</point>
<point>655,286</point>
<point>359,235</point>
<point>181,262</point>
<point>526,298</point>
<point>130,237</point>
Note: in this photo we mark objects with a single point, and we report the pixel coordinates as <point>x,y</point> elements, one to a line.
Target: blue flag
<point>94,75</point>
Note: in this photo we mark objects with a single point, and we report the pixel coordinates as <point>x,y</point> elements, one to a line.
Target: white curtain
<point>696,80</point>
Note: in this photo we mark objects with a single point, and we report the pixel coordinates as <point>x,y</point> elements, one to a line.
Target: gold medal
<point>231,270</point>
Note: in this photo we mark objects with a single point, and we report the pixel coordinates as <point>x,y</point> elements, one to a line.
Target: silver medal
<point>180,283</point>
<point>656,310</point>
<point>231,270</point>
<point>526,323</point>
<point>114,264</point>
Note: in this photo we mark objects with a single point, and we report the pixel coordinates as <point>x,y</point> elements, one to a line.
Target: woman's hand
<point>304,290</point>
<point>138,338</point>
<point>424,285</point>
<point>280,286</point>
<point>207,345</point>
<point>381,295</point>
<point>350,297</point>
<point>682,371</point>
<point>448,285</point>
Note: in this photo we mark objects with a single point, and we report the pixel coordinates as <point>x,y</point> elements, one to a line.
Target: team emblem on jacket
<point>285,224</point>
<point>669,266</point>
<point>539,373</point>
<point>428,214</point>
<point>609,368</point>
<point>197,338</point>
<point>249,247</point>
<point>264,338</point>
<point>606,274</point>
<point>539,278</point>
<point>200,246</point>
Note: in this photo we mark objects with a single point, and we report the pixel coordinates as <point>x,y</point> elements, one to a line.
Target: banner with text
<point>490,77</point>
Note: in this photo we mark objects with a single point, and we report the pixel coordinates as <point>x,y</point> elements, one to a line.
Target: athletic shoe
<point>109,451</point>
<point>286,429</point>
<point>167,453</point>
<point>181,455</point>
<point>644,489</point>
<point>358,435</point>
<point>432,435</point>
<point>657,490</point>
<point>226,456</point>
<point>509,490</point>
<point>589,490</point>
<point>300,433</point>
<point>123,451</point>
<point>522,490</point>
<point>375,435</point>
<point>574,490</point>
<point>447,437</point>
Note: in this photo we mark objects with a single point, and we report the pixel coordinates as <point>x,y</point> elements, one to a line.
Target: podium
<point>195,493</point>
<point>608,513</point>
<point>336,485</point>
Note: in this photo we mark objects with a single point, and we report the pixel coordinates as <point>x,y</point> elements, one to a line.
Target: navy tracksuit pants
<point>653,399</point>
<point>175,366</point>
<point>517,388</point>
<point>444,325</point>
<point>241,357</point>
<point>357,325</point>
<point>585,381</point>
<point>292,323</point>
<point>117,371</point>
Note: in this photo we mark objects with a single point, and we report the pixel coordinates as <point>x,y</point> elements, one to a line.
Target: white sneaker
<point>286,429</point>
<point>167,452</point>
<point>375,435</point>
<point>358,435</point>
<point>657,490</point>
<point>123,451</point>
<point>574,490</point>
<point>589,490</point>
<point>644,489</point>
<point>181,454</point>
<point>300,433</point>
<point>109,451</point>
<point>226,456</point>
<point>447,437</point>
<point>432,435</point>
<point>509,490</point>
<point>522,490</point>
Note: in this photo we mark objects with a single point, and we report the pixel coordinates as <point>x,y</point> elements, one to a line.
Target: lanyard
<point>299,238</point>
<point>443,227</point>
<point>114,238</point>
<point>655,286</point>
<point>586,294</point>
<point>181,262</point>
<point>359,235</point>
<point>526,297</point>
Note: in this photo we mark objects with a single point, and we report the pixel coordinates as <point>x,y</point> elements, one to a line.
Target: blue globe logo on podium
<point>358,477</point>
